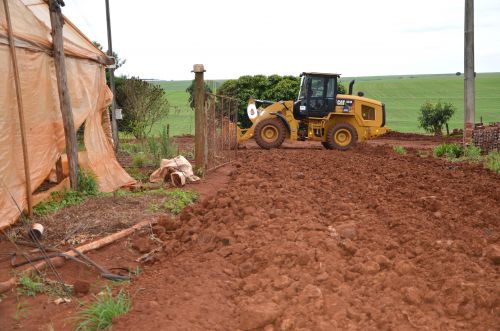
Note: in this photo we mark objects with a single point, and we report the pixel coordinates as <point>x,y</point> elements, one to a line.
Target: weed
<point>168,148</point>
<point>136,271</point>
<point>199,172</point>
<point>493,161</point>
<point>400,150</point>
<point>450,151</point>
<point>472,152</point>
<point>87,183</point>
<point>153,207</point>
<point>21,311</point>
<point>154,148</point>
<point>137,174</point>
<point>178,199</point>
<point>138,160</point>
<point>58,201</point>
<point>30,286</point>
<point>99,314</point>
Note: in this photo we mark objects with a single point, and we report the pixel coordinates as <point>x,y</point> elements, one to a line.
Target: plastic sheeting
<point>90,98</point>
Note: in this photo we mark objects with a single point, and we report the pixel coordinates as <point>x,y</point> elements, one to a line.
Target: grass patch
<point>99,314</point>
<point>87,186</point>
<point>30,286</point>
<point>450,151</point>
<point>178,199</point>
<point>492,161</point>
<point>400,150</point>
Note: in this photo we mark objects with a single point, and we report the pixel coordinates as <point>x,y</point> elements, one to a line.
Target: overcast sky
<point>163,39</point>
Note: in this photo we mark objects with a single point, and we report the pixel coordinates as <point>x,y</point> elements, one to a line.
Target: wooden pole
<point>114,125</point>
<point>200,119</point>
<point>57,21</point>
<point>469,80</point>
<point>20,109</point>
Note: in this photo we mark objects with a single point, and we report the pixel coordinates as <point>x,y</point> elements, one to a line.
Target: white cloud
<point>163,39</point>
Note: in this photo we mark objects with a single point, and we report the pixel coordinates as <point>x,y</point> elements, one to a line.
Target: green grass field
<point>403,96</point>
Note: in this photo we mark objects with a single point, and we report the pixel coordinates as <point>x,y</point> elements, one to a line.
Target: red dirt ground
<point>310,239</point>
<point>325,240</point>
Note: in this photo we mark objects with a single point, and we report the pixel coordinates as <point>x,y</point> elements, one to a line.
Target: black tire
<point>325,145</point>
<point>270,133</point>
<point>341,136</point>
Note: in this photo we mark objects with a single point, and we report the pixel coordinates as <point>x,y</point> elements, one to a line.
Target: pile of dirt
<point>324,240</point>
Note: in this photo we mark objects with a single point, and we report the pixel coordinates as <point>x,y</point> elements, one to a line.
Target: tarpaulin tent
<point>90,98</point>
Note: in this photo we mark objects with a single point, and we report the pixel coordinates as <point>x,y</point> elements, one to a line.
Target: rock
<point>492,252</point>
<point>347,230</point>
<point>142,245</point>
<point>370,268</point>
<point>438,214</point>
<point>287,324</point>
<point>258,315</point>
<point>411,295</point>
<point>404,267</point>
<point>246,268</point>
<point>169,223</point>
<point>322,277</point>
<point>348,246</point>
<point>382,260</point>
<point>300,175</point>
<point>269,327</point>
<point>311,292</point>
<point>81,287</point>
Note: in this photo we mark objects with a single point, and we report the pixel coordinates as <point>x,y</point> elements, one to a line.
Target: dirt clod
<point>492,252</point>
<point>142,245</point>
<point>255,316</point>
<point>81,287</point>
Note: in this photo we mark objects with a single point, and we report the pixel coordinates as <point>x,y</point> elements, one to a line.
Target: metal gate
<point>221,130</point>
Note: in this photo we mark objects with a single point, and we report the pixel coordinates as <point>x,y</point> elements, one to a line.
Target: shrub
<point>168,148</point>
<point>154,148</point>
<point>400,150</point>
<point>143,105</point>
<point>99,314</point>
<point>433,116</point>
<point>472,152</point>
<point>87,183</point>
<point>493,161</point>
<point>448,150</point>
<point>138,160</point>
<point>178,199</point>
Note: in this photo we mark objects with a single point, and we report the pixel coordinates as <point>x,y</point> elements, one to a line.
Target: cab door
<point>316,104</point>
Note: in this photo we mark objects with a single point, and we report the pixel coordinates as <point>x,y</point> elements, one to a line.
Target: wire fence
<point>222,130</point>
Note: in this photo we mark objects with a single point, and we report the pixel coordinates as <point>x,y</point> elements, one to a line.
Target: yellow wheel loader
<point>338,121</point>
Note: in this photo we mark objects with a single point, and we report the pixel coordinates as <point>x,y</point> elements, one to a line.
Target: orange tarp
<point>90,98</point>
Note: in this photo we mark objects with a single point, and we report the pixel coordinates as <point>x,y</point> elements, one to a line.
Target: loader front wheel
<point>341,136</point>
<point>270,133</point>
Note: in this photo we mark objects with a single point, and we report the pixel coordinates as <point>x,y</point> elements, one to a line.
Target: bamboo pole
<point>57,21</point>
<point>20,109</point>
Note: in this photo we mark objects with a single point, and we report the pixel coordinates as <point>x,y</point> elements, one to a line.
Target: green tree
<point>433,116</point>
<point>190,91</point>
<point>143,105</point>
<point>119,61</point>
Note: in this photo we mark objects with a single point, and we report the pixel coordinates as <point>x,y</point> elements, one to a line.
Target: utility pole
<point>20,109</point>
<point>200,118</point>
<point>57,21</point>
<point>114,125</point>
<point>469,80</point>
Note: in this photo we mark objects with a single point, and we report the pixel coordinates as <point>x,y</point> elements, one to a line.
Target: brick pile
<point>487,137</point>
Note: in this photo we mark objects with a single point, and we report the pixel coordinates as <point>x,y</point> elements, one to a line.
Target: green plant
<point>493,161</point>
<point>178,199</point>
<point>138,160</point>
<point>58,201</point>
<point>168,148</point>
<point>143,105</point>
<point>87,183</point>
<point>30,286</point>
<point>21,311</point>
<point>99,314</point>
<point>472,152</point>
<point>400,150</point>
<point>450,151</point>
<point>154,148</point>
<point>433,116</point>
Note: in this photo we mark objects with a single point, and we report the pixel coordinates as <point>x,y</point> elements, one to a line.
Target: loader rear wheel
<point>341,136</point>
<point>270,133</point>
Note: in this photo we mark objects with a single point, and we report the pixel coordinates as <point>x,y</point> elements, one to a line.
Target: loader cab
<point>317,95</point>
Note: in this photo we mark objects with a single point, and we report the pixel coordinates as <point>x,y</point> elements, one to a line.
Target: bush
<point>472,152</point>
<point>143,105</point>
<point>400,150</point>
<point>493,161</point>
<point>178,199</point>
<point>448,150</point>
<point>168,148</point>
<point>87,183</point>
<point>138,160</point>
<point>433,116</point>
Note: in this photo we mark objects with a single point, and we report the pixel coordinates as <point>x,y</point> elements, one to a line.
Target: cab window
<point>317,87</point>
<point>368,113</point>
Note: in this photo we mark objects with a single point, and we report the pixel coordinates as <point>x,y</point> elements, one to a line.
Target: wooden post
<point>20,109</point>
<point>200,118</point>
<point>469,81</point>
<point>114,125</point>
<point>57,21</point>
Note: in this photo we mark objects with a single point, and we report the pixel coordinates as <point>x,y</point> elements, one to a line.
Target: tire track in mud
<point>323,240</point>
